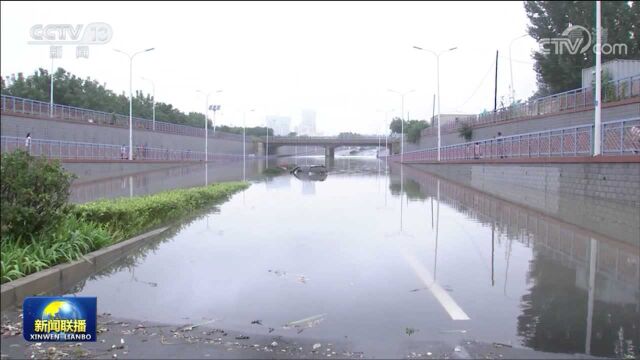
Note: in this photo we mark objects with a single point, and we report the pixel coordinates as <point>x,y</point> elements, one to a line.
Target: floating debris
<point>274,344</point>
<point>271,330</point>
<point>191,327</point>
<point>502,345</point>
<point>256,322</point>
<point>308,322</point>
<point>418,289</point>
<point>242,337</point>
<point>278,272</point>
<point>410,331</point>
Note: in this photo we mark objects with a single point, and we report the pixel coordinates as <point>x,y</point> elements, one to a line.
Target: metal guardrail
<point>72,150</point>
<point>17,105</point>
<point>553,104</point>
<point>620,137</point>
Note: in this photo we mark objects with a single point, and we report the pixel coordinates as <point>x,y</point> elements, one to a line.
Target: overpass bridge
<point>330,143</point>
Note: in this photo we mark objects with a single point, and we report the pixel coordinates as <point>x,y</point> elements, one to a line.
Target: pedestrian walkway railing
<point>41,109</point>
<point>72,150</point>
<point>570,100</point>
<point>620,137</point>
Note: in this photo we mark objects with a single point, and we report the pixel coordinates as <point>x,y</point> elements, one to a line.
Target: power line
<point>479,85</point>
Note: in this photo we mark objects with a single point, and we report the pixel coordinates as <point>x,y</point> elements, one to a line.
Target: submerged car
<point>310,172</point>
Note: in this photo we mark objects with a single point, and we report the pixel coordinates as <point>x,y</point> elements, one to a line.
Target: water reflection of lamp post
<point>401,121</point>
<point>435,259</point>
<point>593,253</point>
<point>493,231</point>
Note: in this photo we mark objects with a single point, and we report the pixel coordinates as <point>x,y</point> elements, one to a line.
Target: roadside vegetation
<point>89,93</point>
<point>465,131</point>
<point>41,229</point>
<point>412,128</point>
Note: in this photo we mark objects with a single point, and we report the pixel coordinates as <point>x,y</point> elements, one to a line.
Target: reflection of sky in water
<point>370,258</point>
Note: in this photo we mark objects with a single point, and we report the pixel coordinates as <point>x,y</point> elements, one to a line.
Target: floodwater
<point>384,258</point>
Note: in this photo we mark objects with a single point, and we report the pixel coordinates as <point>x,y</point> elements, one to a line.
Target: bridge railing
<point>620,137</point>
<point>41,109</point>
<point>570,100</point>
<point>72,150</point>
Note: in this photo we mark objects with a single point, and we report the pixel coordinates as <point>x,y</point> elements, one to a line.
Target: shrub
<point>34,193</point>
<point>126,217</point>
<point>67,242</point>
<point>465,131</point>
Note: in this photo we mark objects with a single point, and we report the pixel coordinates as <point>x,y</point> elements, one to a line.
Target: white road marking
<point>447,302</point>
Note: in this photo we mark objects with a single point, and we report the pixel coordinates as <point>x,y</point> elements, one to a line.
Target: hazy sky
<point>281,57</point>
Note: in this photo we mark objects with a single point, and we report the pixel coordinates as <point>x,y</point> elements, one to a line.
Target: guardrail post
<point>621,137</point>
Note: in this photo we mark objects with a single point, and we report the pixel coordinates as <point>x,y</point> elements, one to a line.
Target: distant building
<point>281,125</point>
<point>618,69</point>
<point>307,123</point>
<point>448,118</point>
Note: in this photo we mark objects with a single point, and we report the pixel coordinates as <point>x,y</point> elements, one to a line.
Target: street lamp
<point>437,55</point>
<point>266,155</point>
<point>386,138</point>
<point>206,122</point>
<point>402,122</point>
<point>215,108</point>
<point>512,93</point>
<point>153,85</point>
<point>131,96</point>
<point>53,55</point>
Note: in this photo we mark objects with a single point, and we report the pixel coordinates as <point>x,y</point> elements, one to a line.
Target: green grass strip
<point>97,224</point>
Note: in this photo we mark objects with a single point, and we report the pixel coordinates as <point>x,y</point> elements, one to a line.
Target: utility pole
<point>495,88</point>
<point>597,135</point>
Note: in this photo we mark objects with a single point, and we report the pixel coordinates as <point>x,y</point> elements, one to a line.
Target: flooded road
<point>385,262</point>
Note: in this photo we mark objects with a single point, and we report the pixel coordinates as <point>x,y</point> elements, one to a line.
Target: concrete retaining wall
<point>61,277</point>
<point>72,131</point>
<point>569,119</point>
<point>591,195</point>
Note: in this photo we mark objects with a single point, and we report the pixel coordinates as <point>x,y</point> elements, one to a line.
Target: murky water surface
<point>384,258</point>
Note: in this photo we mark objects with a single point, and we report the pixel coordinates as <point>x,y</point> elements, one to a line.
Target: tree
<point>465,131</point>
<point>87,93</point>
<point>563,72</point>
<point>396,125</point>
<point>412,128</point>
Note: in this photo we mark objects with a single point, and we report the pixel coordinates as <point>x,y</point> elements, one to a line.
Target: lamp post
<point>402,122</point>
<point>131,96</point>
<point>597,131</point>
<point>53,55</point>
<point>437,55</point>
<point>512,93</point>
<point>386,140</point>
<point>206,125</point>
<point>215,108</point>
<point>153,86</point>
<point>266,154</point>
